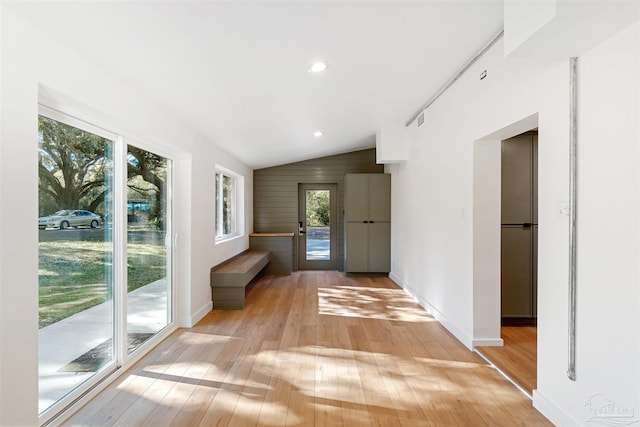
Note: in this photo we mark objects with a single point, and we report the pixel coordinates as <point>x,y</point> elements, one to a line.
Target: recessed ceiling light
<point>318,67</point>
<point>317,133</point>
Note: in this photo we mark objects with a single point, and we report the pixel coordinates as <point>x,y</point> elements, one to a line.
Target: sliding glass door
<point>104,254</point>
<point>148,246</point>
<point>76,276</point>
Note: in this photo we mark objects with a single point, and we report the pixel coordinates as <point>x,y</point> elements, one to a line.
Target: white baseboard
<point>189,321</point>
<point>452,327</point>
<point>457,332</point>
<point>552,412</point>
<point>397,280</point>
<point>488,342</point>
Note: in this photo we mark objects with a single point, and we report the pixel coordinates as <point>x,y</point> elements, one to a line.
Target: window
<point>228,187</point>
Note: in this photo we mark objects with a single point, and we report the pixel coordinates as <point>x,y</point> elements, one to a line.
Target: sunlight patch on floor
<point>370,303</point>
<point>337,373</point>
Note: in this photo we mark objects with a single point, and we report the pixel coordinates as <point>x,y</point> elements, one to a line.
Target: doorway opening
<point>518,232</point>
<point>317,231</point>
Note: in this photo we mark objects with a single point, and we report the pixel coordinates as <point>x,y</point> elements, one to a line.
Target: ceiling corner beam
<point>456,76</point>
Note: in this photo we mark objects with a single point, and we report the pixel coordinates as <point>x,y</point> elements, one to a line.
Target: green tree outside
<point>318,208</point>
<point>73,167</point>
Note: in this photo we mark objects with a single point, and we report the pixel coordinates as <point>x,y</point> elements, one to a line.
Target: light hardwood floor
<point>518,357</point>
<point>313,349</point>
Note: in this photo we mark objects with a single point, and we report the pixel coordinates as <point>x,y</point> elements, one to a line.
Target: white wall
<point>608,359</point>
<point>31,60</point>
<point>434,254</point>
<point>486,242</point>
<point>433,239</point>
<point>1,216</point>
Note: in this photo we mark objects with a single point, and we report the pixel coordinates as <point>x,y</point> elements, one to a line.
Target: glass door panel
<point>148,246</point>
<point>75,271</point>
<point>317,240</point>
<point>317,213</point>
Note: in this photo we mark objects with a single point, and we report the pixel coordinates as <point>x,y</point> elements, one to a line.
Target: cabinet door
<point>380,247</point>
<point>379,197</point>
<point>357,247</point>
<point>534,173</point>
<point>534,282</point>
<point>356,193</point>
<point>516,180</point>
<point>516,271</point>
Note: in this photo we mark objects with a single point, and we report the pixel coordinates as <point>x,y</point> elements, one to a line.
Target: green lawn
<point>74,275</point>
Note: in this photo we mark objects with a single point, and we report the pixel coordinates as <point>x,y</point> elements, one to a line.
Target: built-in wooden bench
<point>229,279</point>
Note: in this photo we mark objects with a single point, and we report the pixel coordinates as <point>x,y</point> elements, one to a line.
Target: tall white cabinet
<point>368,223</point>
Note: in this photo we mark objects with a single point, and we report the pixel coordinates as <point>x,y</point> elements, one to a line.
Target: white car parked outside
<point>69,218</point>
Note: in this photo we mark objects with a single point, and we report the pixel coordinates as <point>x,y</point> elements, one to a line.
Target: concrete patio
<point>66,340</point>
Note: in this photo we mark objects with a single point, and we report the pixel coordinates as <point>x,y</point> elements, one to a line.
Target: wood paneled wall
<point>281,248</point>
<point>275,192</point>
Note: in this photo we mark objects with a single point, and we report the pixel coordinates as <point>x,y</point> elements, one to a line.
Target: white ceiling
<point>237,70</point>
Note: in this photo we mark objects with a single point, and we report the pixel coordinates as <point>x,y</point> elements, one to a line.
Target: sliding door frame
<point>83,392</point>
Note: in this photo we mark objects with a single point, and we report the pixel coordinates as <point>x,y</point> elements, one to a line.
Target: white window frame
<point>237,207</point>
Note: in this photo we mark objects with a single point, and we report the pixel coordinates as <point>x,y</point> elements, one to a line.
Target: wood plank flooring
<point>518,357</point>
<point>313,349</point>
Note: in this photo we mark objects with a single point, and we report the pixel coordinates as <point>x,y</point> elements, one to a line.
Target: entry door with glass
<point>317,227</point>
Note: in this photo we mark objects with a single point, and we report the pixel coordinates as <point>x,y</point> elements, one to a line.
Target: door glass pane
<point>318,220</point>
<point>75,272</point>
<point>148,251</point>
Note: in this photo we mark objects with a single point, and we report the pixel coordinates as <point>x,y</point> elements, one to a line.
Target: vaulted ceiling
<point>237,71</point>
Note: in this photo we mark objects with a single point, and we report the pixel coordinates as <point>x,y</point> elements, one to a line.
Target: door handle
<point>301,228</point>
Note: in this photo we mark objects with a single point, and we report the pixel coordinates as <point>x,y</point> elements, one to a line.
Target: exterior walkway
<point>318,243</point>
<point>66,340</point>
